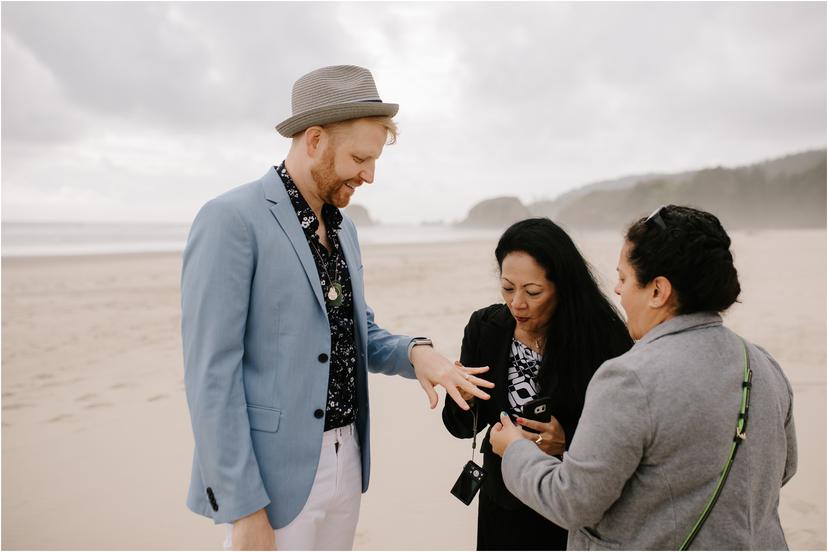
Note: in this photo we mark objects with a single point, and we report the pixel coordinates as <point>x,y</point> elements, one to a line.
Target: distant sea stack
<point>359,215</point>
<point>498,212</point>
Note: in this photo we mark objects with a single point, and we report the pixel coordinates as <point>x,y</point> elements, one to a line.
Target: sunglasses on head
<point>655,217</point>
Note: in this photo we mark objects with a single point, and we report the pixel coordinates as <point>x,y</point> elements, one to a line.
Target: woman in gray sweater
<point>660,422</point>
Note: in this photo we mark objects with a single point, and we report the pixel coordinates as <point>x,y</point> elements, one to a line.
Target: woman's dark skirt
<point>521,529</point>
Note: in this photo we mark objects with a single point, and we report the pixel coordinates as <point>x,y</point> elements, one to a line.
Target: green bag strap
<point>741,435</point>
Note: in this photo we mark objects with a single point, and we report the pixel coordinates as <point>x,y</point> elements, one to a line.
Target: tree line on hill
<point>788,192</point>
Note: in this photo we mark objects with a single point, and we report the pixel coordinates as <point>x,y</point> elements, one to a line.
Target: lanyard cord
<point>741,435</point>
<point>474,431</point>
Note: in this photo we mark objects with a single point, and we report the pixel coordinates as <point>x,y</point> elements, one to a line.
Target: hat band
<point>372,100</point>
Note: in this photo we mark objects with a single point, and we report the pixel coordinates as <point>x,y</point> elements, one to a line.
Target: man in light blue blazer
<point>278,339</point>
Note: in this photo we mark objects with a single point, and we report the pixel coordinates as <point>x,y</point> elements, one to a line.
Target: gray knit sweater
<point>655,433</point>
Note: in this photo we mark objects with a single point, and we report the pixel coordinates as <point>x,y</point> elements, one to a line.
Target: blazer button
<point>323,358</point>
<point>319,413</point>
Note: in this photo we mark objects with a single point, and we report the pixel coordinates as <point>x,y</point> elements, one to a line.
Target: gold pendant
<point>335,295</point>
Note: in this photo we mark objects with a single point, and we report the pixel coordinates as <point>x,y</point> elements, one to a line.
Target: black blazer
<point>486,342</point>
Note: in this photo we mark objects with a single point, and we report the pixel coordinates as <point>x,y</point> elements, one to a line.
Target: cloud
<point>179,66</point>
<point>157,106</point>
<point>34,108</point>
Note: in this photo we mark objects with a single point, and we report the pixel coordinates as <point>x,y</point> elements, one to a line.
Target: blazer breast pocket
<point>263,418</point>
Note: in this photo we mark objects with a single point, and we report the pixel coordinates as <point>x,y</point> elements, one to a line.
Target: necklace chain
<point>538,342</point>
<point>333,294</point>
<point>324,264</point>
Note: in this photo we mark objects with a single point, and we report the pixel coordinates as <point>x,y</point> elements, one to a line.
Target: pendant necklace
<point>539,345</point>
<point>538,342</point>
<point>334,296</point>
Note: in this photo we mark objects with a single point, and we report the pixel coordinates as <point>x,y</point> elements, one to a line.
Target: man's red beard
<point>330,188</point>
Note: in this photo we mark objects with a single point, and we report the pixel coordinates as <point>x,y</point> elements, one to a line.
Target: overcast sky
<point>143,111</point>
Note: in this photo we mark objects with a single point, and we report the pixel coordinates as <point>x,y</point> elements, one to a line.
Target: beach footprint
<point>802,506</point>
<point>15,406</point>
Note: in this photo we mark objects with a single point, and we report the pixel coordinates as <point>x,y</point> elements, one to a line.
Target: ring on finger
<point>539,440</point>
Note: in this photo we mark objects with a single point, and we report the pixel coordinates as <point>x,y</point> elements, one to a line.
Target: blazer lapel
<point>285,215</point>
<point>502,347</point>
<point>497,335</point>
<point>349,248</point>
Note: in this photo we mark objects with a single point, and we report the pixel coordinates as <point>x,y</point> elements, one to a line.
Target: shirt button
<point>319,413</point>
<point>323,358</point>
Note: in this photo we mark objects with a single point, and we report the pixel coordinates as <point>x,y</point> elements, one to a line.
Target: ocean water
<point>26,239</point>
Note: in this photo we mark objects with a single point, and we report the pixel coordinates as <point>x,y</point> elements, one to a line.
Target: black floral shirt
<point>341,407</point>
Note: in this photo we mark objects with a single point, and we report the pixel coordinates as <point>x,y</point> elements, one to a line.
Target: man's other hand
<point>254,532</point>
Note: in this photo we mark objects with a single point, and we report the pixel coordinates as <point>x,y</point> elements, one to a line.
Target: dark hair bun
<point>692,250</point>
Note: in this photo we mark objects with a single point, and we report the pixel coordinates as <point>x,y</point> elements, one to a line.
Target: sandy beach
<point>96,439</point>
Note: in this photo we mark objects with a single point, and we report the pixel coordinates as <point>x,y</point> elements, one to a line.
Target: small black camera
<point>468,483</point>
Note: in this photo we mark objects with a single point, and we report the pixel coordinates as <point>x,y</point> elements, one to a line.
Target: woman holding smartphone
<point>546,341</point>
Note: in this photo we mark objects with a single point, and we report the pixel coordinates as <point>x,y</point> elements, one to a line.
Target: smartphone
<point>539,410</point>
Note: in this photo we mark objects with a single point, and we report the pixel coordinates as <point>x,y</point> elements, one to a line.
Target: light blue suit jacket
<point>254,329</point>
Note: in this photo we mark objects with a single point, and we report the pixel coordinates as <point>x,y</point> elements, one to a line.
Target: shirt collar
<point>307,218</point>
<point>681,323</point>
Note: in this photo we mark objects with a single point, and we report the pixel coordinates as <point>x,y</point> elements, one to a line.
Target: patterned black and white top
<point>341,408</point>
<point>522,376</point>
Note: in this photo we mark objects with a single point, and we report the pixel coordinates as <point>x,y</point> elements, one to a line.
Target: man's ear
<point>661,292</point>
<point>313,140</point>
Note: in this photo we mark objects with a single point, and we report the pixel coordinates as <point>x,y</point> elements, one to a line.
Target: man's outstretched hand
<point>433,369</point>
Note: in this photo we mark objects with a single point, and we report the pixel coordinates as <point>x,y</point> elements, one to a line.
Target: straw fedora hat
<point>333,94</point>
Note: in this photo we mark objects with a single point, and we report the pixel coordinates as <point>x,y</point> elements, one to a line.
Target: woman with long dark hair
<point>548,338</point>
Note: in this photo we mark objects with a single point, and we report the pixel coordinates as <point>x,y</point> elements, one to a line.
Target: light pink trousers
<point>329,519</point>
